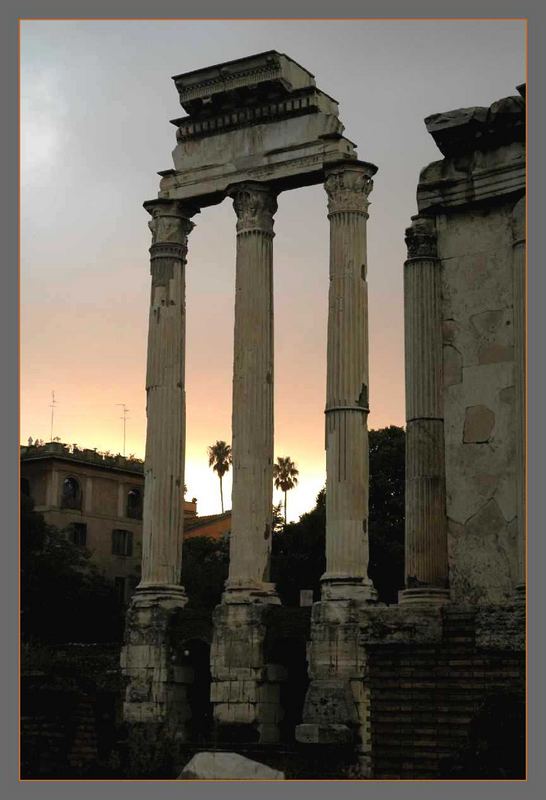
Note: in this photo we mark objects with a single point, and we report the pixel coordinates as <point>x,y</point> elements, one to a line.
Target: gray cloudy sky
<point>97,98</point>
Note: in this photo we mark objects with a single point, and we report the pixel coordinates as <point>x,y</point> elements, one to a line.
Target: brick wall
<point>433,707</point>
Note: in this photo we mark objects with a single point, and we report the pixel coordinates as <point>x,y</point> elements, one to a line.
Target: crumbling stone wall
<point>71,722</point>
<point>478,331</point>
<point>474,198</point>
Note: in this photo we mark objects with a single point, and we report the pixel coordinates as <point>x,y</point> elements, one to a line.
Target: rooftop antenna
<point>52,406</point>
<point>124,418</point>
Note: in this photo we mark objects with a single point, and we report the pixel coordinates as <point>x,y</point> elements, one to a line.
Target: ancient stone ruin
<point>393,688</point>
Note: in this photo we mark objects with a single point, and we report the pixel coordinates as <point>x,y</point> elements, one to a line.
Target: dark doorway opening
<point>290,652</point>
<point>196,654</point>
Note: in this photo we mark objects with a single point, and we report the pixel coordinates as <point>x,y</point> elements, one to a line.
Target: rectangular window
<point>119,588</point>
<point>122,543</point>
<point>78,533</point>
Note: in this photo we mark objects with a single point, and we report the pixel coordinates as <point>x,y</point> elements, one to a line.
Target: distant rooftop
<point>199,522</point>
<point>72,452</point>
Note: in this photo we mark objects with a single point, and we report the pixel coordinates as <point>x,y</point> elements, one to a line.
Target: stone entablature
<point>484,151</point>
<point>257,73</point>
<point>304,101</point>
<point>253,119</point>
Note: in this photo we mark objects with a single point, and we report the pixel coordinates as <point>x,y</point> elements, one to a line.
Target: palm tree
<point>219,460</point>
<point>285,477</point>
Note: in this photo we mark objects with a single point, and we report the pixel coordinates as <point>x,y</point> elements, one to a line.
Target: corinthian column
<point>347,476</point>
<point>162,521</point>
<point>518,233</point>
<point>252,420</point>
<point>426,520</point>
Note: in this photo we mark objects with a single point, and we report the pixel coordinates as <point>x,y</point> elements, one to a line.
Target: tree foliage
<point>63,596</point>
<point>285,477</point>
<point>205,564</point>
<point>386,511</point>
<point>298,549</point>
<point>220,458</point>
<point>298,552</point>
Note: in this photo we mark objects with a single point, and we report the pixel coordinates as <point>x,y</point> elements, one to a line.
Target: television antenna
<point>52,405</point>
<point>124,418</point>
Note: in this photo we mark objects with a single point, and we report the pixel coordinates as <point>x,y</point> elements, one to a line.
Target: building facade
<point>97,499</point>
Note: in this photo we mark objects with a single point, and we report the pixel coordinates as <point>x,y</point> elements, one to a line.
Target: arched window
<point>134,504</point>
<point>72,494</point>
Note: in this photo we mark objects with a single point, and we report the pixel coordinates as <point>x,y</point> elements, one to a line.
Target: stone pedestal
<point>245,690</point>
<point>337,704</point>
<point>252,423</point>
<point>426,522</point>
<point>347,406</point>
<point>156,685</point>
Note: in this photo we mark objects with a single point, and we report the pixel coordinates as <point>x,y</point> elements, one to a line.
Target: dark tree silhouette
<point>220,460</point>
<point>285,477</point>
<point>298,551</point>
<point>204,570</point>
<point>386,511</point>
<point>63,596</point>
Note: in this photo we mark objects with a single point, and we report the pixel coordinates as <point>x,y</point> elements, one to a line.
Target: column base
<point>340,587</point>
<point>429,595</point>
<point>237,592</point>
<point>164,594</point>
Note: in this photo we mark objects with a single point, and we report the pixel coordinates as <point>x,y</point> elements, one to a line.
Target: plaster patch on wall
<point>493,353</point>
<point>507,395</point>
<point>478,424</point>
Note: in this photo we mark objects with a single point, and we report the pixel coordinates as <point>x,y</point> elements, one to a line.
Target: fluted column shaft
<point>426,520</point>
<point>163,511</point>
<point>252,414</point>
<point>518,232</point>
<point>347,474</point>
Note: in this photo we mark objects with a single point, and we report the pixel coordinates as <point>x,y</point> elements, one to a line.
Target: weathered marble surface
<point>227,766</point>
<point>475,197</point>
<point>347,385</point>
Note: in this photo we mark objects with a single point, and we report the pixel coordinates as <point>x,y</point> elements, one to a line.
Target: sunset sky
<point>96,100</point>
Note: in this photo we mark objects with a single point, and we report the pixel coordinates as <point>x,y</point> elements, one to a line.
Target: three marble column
<point>348,185</point>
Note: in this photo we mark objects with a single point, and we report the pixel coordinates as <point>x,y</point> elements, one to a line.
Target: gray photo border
<point>9,482</point>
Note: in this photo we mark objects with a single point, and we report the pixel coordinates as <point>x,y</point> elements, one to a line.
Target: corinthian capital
<point>348,186</point>
<point>255,204</point>
<point>170,226</point>
<point>421,238</point>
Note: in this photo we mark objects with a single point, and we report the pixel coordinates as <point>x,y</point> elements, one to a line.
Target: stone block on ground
<point>227,766</point>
